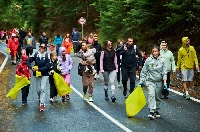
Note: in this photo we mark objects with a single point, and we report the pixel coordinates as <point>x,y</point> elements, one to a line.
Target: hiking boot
<point>41,107</point>
<point>151,116</point>
<point>90,99</point>
<point>106,95</point>
<point>113,98</point>
<point>84,96</point>
<point>156,114</point>
<point>51,100</point>
<point>187,97</point>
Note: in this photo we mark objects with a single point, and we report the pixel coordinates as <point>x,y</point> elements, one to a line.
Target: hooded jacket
<point>13,43</point>
<point>89,54</point>
<point>22,68</point>
<point>67,64</point>
<point>187,57</point>
<point>154,70</point>
<point>169,59</point>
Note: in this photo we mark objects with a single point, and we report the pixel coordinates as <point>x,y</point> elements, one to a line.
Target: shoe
<point>162,97</point>
<point>67,97</point>
<point>151,116</point>
<point>24,103</point>
<point>41,107</point>
<point>12,63</point>
<point>156,114</point>
<point>125,92</point>
<point>187,97</point>
<point>166,97</point>
<point>84,96</point>
<point>113,98</point>
<point>119,85</point>
<point>51,100</point>
<point>95,76</point>
<point>38,99</point>
<point>90,99</point>
<point>55,98</point>
<point>63,99</point>
<point>184,94</point>
<point>74,54</point>
<point>106,95</point>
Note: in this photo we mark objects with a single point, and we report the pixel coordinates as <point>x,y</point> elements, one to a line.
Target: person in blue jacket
<point>58,42</point>
<point>75,40</point>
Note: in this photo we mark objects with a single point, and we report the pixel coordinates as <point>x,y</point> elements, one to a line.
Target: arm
<point>30,60</point>
<point>87,54</point>
<point>139,55</point>
<point>164,71</point>
<point>46,67</point>
<point>173,63</point>
<point>144,71</point>
<point>115,61</point>
<point>179,61</point>
<point>195,59</point>
<point>70,62</point>
<point>101,61</point>
<point>34,43</point>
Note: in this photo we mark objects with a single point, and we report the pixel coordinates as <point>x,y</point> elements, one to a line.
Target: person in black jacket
<point>55,66</point>
<point>43,39</point>
<point>97,46</point>
<point>129,64</point>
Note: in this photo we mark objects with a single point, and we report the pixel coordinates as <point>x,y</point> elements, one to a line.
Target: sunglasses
<point>43,47</point>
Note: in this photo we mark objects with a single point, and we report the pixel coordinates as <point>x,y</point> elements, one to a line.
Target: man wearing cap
<point>13,45</point>
<point>75,40</point>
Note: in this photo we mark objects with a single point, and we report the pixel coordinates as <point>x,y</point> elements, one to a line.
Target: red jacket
<point>13,43</point>
<point>22,69</point>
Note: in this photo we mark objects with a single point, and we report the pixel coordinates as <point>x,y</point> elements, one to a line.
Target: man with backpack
<point>129,54</point>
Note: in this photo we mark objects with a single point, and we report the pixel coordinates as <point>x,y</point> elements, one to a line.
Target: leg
<point>24,97</point>
<point>43,89</point>
<point>112,79</point>
<point>91,86</point>
<point>125,75</point>
<point>106,81</point>
<point>132,73</point>
<point>51,82</point>
<point>151,99</point>
<point>158,91</point>
<point>37,82</point>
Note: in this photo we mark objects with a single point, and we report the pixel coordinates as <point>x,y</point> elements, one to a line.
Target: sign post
<point>82,21</point>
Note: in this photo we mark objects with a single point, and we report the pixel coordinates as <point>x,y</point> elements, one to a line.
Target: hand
<point>197,68</point>
<point>165,86</point>
<point>141,84</point>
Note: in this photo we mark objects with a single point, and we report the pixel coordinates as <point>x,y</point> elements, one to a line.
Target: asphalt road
<point>77,115</point>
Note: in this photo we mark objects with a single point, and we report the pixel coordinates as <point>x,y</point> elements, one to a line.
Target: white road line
<point>4,62</point>
<point>102,112</point>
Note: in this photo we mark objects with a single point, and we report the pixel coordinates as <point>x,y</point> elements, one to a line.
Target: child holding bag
<point>67,64</point>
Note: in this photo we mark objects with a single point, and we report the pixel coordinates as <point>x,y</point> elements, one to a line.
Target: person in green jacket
<point>187,60</point>
<point>170,63</point>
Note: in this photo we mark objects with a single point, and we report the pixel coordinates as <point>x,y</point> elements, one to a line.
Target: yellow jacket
<point>187,58</point>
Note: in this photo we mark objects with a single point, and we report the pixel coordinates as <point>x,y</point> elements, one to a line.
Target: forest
<point>147,21</point>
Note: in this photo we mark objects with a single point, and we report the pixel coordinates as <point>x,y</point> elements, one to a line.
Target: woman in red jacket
<point>13,45</point>
<point>67,43</point>
<point>23,70</point>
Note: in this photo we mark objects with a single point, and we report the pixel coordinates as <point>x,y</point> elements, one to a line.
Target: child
<point>67,64</point>
<point>89,55</point>
<point>23,70</point>
<point>55,66</point>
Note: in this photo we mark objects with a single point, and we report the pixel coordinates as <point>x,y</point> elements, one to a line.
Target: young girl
<point>23,70</point>
<point>67,64</point>
<point>55,66</point>
<point>67,43</point>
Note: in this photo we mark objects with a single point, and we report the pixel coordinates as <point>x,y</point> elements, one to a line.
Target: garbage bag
<point>61,86</point>
<point>38,73</point>
<point>8,50</point>
<point>135,102</point>
<point>20,82</point>
<point>72,49</point>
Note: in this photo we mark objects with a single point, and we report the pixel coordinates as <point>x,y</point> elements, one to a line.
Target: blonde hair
<point>52,54</point>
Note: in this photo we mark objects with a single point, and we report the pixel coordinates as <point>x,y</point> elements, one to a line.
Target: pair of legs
<point>128,72</point>
<point>75,45</point>
<point>53,90</point>
<point>57,48</point>
<point>109,78</point>
<point>67,80</point>
<point>13,54</point>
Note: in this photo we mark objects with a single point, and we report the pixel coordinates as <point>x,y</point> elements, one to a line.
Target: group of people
<point>124,59</point>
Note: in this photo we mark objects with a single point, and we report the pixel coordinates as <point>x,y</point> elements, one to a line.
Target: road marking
<point>102,112</point>
<point>4,62</point>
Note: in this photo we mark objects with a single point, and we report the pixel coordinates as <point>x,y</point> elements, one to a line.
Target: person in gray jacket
<point>29,44</point>
<point>153,73</point>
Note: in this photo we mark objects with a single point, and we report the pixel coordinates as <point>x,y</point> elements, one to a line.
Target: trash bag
<point>72,49</point>
<point>38,73</point>
<point>61,86</point>
<point>20,82</point>
<point>8,50</point>
<point>135,102</point>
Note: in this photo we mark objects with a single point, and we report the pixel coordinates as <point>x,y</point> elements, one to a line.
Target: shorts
<point>187,75</point>
<point>13,52</point>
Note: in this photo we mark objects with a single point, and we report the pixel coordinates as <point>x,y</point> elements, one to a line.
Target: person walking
<point>43,39</point>
<point>42,65</point>
<point>13,44</point>
<point>67,43</point>
<point>66,66</point>
<point>29,44</point>
<point>187,60</point>
<point>129,64</point>
<point>170,63</point>
<point>153,73</point>
<point>87,77</point>
<point>97,46</point>
<point>57,42</point>
<point>75,40</point>
<point>90,39</point>
<point>108,67</point>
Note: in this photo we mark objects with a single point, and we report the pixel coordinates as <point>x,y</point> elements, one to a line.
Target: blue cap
<point>74,29</point>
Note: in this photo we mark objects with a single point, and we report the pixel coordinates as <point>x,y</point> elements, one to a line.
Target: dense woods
<point>147,21</point>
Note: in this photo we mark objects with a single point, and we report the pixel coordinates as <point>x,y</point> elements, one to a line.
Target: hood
<point>161,46</point>
<point>24,58</point>
<point>184,41</point>
<point>61,49</point>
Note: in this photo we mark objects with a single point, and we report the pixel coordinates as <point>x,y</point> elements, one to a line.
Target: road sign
<point>82,20</point>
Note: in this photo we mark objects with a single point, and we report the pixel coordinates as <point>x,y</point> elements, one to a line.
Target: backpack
<point>46,55</point>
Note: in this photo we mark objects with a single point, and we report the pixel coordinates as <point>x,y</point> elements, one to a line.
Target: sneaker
<point>84,96</point>
<point>125,93</point>
<point>187,97</point>
<point>55,99</point>
<point>166,97</point>
<point>24,103</point>
<point>156,114</point>
<point>41,107</point>
<point>90,99</point>
<point>151,116</point>
<point>184,94</point>
<point>51,100</point>
<point>106,95</point>
<point>113,98</point>
<point>162,97</point>
<point>67,97</point>
<point>63,99</point>
<point>119,85</point>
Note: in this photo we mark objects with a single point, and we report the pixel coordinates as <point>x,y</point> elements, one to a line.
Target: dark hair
<point>156,47</point>
<point>58,35</point>
<point>106,44</point>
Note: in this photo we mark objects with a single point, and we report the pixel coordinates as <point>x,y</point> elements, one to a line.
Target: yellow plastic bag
<point>61,86</point>
<point>135,102</point>
<point>72,49</point>
<point>38,73</point>
<point>20,82</point>
<point>8,50</point>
